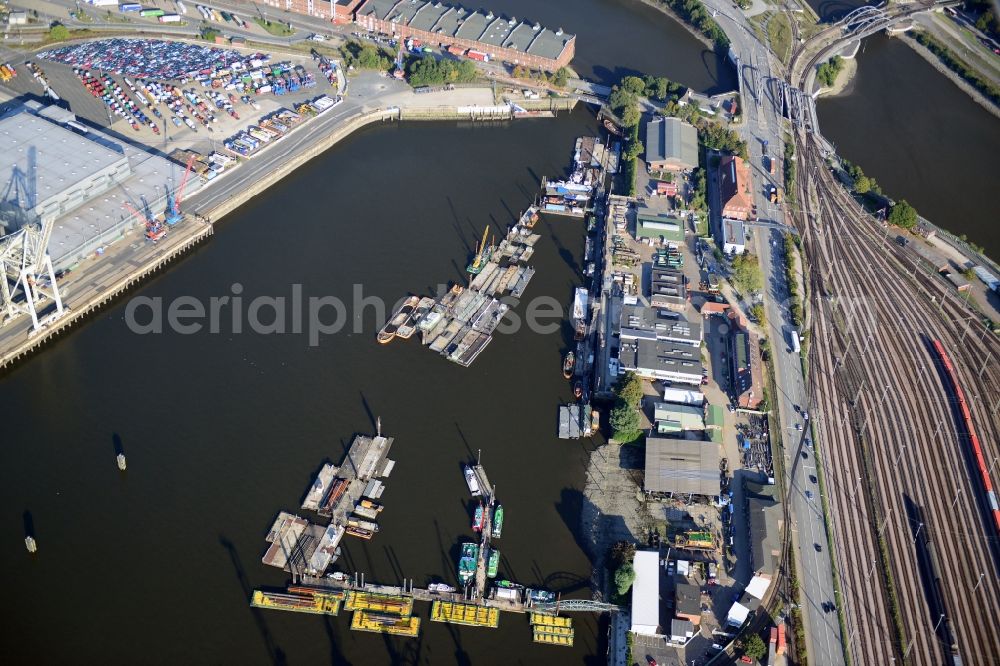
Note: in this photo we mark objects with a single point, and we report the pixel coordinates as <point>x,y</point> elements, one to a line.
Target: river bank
<point>667,10</point>
<point>966,87</point>
<point>83,295</point>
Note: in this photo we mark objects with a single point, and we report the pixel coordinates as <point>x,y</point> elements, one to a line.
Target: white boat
<point>440,587</point>
<point>121,461</point>
<point>337,575</point>
<point>472,481</point>
<point>580,304</point>
<point>29,543</point>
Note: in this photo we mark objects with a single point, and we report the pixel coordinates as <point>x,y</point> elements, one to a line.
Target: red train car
<point>977,448</point>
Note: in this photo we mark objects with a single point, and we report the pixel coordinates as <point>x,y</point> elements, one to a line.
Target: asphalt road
<point>815,569</point>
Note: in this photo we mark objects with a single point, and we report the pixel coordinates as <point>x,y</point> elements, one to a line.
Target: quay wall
<point>194,231</point>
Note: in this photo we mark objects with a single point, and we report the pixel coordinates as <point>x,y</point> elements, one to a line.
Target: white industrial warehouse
<point>80,180</point>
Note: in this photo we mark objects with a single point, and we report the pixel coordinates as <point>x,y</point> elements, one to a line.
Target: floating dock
<point>317,604</point>
<point>551,629</point>
<point>385,624</point>
<point>460,324</point>
<point>471,615</point>
<point>307,549</point>
<point>576,421</point>
<point>380,603</point>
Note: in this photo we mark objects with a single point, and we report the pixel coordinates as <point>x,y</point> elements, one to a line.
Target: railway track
<point>889,439</point>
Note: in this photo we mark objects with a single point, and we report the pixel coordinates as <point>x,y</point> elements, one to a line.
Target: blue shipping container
<point>129,7</point>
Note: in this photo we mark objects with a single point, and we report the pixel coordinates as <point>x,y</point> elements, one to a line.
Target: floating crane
<point>482,256</point>
<point>173,213</point>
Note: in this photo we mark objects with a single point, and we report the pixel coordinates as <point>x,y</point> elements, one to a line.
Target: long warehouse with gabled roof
<point>501,38</point>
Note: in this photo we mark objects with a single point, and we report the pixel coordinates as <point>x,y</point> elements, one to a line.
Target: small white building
<point>17,18</point>
<point>646,593</point>
<point>733,236</point>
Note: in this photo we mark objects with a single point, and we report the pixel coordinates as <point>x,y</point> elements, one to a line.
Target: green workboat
<point>497,521</point>
<point>467,562</point>
<point>494,563</point>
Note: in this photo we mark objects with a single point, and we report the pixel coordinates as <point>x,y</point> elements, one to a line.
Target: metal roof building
<point>671,145</point>
<point>646,592</point>
<point>650,323</point>
<point>766,519</point>
<point>49,170</point>
<point>681,466</point>
<point>677,418</point>
<point>81,181</point>
<point>659,359</point>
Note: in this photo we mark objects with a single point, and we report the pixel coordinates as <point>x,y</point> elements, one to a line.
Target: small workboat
<point>568,364</point>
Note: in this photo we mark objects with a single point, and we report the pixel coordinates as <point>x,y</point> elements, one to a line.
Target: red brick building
<point>435,23</point>
<point>338,11</point>
<point>734,188</point>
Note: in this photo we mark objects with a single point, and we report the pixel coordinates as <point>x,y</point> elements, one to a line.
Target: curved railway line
<point>887,434</point>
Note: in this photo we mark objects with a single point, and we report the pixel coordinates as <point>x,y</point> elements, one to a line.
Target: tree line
<point>959,66</point>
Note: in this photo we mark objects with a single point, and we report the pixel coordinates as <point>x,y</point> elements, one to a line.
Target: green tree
<point>58,32</point>
<point>620,99</point>
<point>757,312</point>
<point>631,116</point>
<point>903,215</point>
<point>621,552</point>
<point>624,577</point>
<point>862,185</point>
<point>746,273</point>
<point>624,423</point>
<point>629,389</point>
<point>633,85</point>
<point>561,78</point>
<point>753,646</point>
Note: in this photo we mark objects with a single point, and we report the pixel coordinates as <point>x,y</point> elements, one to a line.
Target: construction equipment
<point>482,256</point>
<point>154,230</point>
<point>173,213</point>
<point>25,266</point>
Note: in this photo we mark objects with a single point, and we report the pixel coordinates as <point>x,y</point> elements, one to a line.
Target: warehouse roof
<point>646,592</point>
<point>765,515</point>
<point>681,466</point>
<point>48,159</point>
<point>455,21</point>
<point>672,139</point>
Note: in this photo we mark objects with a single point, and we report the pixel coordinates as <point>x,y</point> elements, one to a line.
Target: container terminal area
<point>479,600</point>
<point>460,323</point>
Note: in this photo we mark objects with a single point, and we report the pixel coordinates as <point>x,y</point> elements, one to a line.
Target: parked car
<point>809,495</point>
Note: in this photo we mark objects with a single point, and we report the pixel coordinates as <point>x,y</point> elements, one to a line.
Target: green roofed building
<point>651,224</point>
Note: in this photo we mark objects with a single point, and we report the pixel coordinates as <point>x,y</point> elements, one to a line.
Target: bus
<point>129,7</point>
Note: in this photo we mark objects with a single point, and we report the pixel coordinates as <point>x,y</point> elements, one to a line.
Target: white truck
<point>793,336</point>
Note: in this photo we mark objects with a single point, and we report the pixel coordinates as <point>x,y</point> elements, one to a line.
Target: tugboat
<point>497,521</point>
<point>568,364</point>
<point>480,519</point>
<point>467,562</point>
<point>494,564</point>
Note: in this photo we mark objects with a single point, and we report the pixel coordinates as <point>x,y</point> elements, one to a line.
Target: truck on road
<point>793,337</point>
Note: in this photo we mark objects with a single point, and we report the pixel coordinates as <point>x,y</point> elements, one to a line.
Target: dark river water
<point>921,138</point>
<point>224,430</point>
<point>619,37</point>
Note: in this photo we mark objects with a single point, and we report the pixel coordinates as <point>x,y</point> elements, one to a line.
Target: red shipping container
<point>455,50</point>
